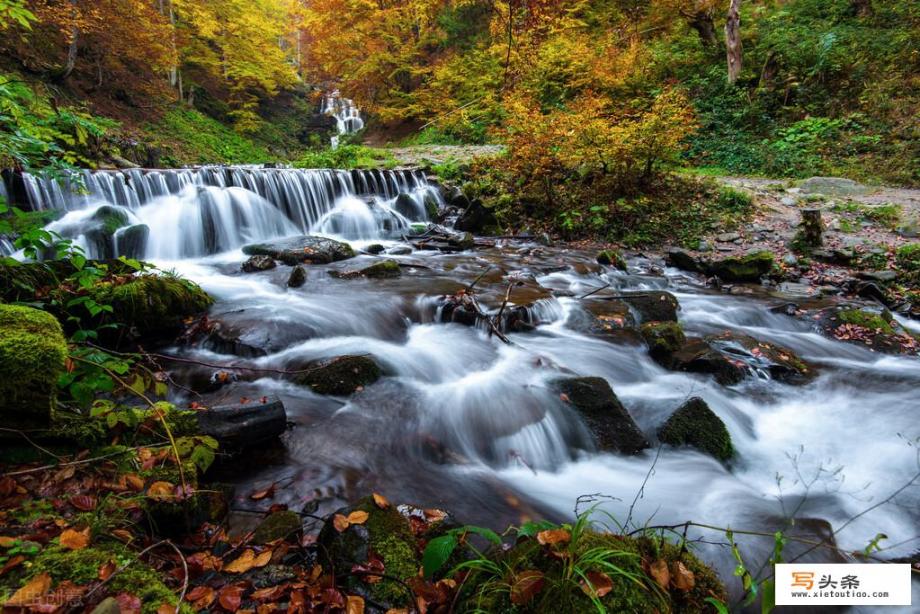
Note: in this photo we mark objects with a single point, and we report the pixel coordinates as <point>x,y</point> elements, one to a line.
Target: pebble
<point>790,260</point>
<point>728,237</point>
<point>788,201</point>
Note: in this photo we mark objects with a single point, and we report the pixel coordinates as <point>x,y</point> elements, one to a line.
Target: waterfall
<point>170,214</point>
<point>347,117</point>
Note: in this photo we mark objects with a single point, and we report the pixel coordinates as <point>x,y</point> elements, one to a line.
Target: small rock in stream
<point>258,263</point>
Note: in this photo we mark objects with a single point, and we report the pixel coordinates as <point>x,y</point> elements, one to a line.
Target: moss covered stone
<point>608,420</point>
<point>32,354</point>
<point>653,306</point>
<point>378,270</point>
<point>278,525</point>
<point>612,257</point>
<point>866,319</point>
<point>663,339</point>
<point>340,376</point>
<point>696,425</point>
<point>750,267</point>
<point>150,305</point>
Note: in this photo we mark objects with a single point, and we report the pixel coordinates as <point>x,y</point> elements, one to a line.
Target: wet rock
<point>883,277</point>
<point>250,334</point>
<point>782,364</point>
<point>612,426</point>
<point>838,257</point>
<point>653,306</point>
<point>379,270</point>
<point>612,257</point>
<point>399,250</point>
<point>374,248</point>
<point>32,354</point>
<point>878,331</point>
<point>285,525</point>
<point>435,237</point>
<point>340,376</point>
<point>477,218</point>
<point>747,268</point>
<point>695,424</point>
<point>664,339</point>
<point>790,260</point>
<point>696,356</point>
<point>258,263</point>
<point>303,249</point>
<point>131,242</point>
<point>728,237</point>
<point>406,206</point>
<point>298,277</point>
<point>244,425</point>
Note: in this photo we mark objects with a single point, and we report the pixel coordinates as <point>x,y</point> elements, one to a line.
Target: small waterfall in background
<point>172,214</point>
<point>347,117</point>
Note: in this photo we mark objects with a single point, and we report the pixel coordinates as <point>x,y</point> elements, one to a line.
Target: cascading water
<point>347,116</point>
<point>196,212</point>
<point>466,422</point>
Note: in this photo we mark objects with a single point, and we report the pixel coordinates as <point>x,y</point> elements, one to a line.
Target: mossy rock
<point>653,306</point>
<point>607,419</point>
<point>663,339</point>
<point>696,425</point>
<point>379,270</point>
<point>633,590</point>
<point>748,268</point>
<point>151,305</point>
<point>278,525</point>
<point>612,257</point>
<point>32,354</point>
<point>385,534</point>
<point>878,331</point>
<point>340,376</point>
<point>110,218</point>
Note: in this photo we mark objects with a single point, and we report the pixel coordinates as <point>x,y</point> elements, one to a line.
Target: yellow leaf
<point>354,605</point>
<point>381,501</point>
<point>340,522</point>
<point>357,517</point>
<point>161,491</point>
<point>262,559</point>
<point>75,540</point>
<point>553,536</point>
<point>243,564</point>
<point>34,588</point>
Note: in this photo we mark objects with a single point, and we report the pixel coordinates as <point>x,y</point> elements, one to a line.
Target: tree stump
<point>812,228</point>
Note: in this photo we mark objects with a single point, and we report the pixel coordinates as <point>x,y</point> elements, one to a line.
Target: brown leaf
<point>161,491</point>
<point>354,605</point>
<point>262,559</point>
<point>265,493</point>
<point>122,535</point>
<point>230,598</point>
<point>526,586</point>
<point>597,585</point>
<point>84,503</point>
<point>357,517</point>
<point>340,522</point>
<point>201,597</point>
<point>165,608</point>
<point>683,578</point>
<point>13,562</point>
<point>553,536</point>
<point>433,515</point>
<point>659,571</point>
<point>128,603</point>
<point>134,482</point>
<point>272,593</point>
<point>381,501</point>
<point>75,540</point>
<point>7,542</point>
<point>244,563</point>
<point>34,588</point>
<point>106,570</point>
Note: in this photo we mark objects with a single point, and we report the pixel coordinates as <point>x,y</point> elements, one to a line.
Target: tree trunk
<point>74,44</point>
<point>733,40</point>
<point>812,228</point>
<point>702,22</point>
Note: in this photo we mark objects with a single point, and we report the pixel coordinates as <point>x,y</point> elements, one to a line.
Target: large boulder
<point>477,218</point>
<point>283,524</point>
<point>697,356</point>
<point>306,248</point>
<point>340,376</point>
<point>653,306</point>
<point>612,426</point>
<point>876,330</point>
<point>32,354</point>
<point>695,424</point>
<point>244,425</point>
<point>664,339</point>
<point>131,242</point>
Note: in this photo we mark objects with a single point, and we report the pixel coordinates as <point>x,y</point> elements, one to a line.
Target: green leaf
<point>437,552</point>
<point>489,534</point>
<point>720,607</point>
<point>767,597</point>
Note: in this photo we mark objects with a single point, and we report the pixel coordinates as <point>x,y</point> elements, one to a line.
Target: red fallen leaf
<point>244,400</point>
<point>333,598</point>
<point>272,593</point>
<point>8,485</point>
<point>195,405</point>
<point>128,603</point>
<point>84,503</point>
<point>297,602</point>
<point>434,515</point>
<point>263,400</point>
<point>265,493</point>
<point>564,397</point>
<point>526,586</point>
<point>600,584</point>
<point>106,570</point>
<point>230,597</point>
<point>134,482</point>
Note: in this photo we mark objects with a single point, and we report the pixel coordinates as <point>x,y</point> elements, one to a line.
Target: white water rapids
<point>467,423</point>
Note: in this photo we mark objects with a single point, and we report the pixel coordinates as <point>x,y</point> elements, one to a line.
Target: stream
<point>467,423</point>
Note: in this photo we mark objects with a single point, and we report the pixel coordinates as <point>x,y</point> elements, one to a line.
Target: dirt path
<point>422,155</point>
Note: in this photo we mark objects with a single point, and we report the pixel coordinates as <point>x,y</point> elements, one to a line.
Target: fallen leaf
<point>272,593</point>
<point>526,586</point>
<point>75,540</point>
<point>659,572</point>
<point>683,578</point>
<point>262,559</point>
<point>230,597</point>
<point>122,535</point>
<point>13,562</point>
<point>161,491</point>
<point>165,608</point>
<point>128,603</point>
<point>7,542</point>
<point>34,588</point>
<point>357,517</point>
<point>201,597</point>
<point>340,522</point>
<point>553,536</point>
<point>354,605</point>
<point>84,503</point>
<point>106,570</point>
<point>265,493</point>
<point>433,515</point>
<point>600,584</point>
<point>134,482</point>
<point>381,501</point>
<point>242,564</point>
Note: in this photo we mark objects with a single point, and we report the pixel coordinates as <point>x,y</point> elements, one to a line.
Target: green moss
<point>32,353</point>
<point>153,303</point>
<point>908,257</point>
<point>387,268</point>
<point>865,319</point>
<point>190,137</point>
<point>750,267</point>
<point>392,539</point>
<point>278,525</point>
<point>663,339</point>
<point>696,425</point>
<point>612,257</point>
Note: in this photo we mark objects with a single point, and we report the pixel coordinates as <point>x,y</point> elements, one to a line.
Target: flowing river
<point>467,423</point>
